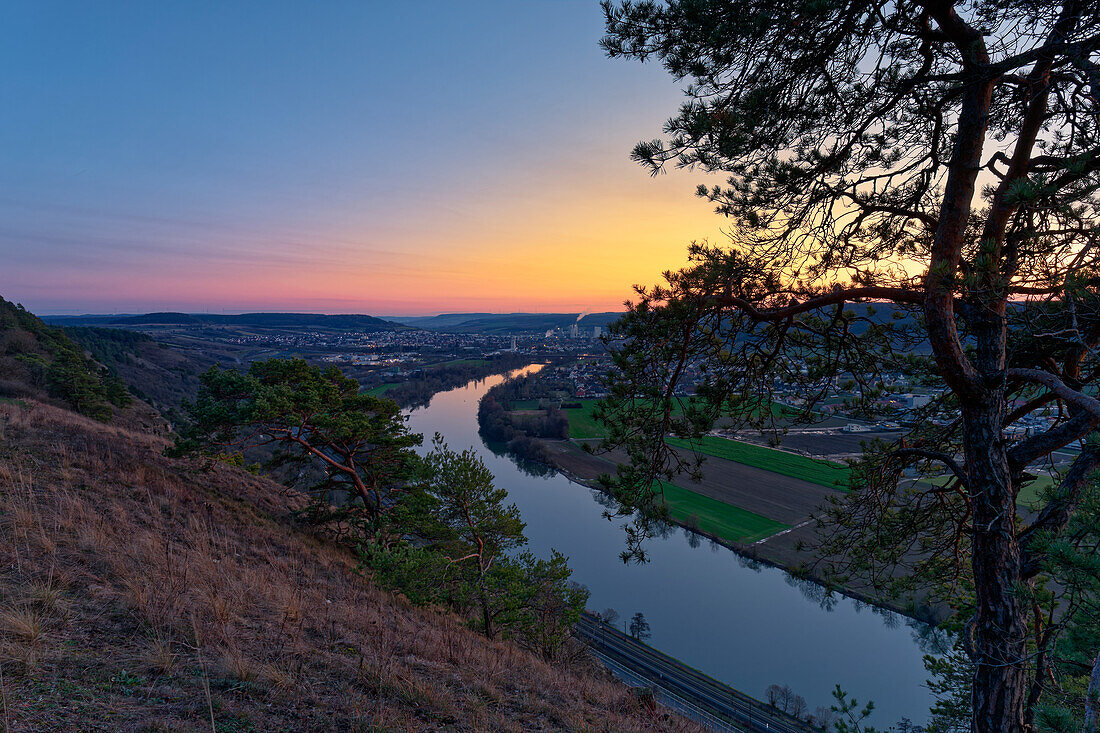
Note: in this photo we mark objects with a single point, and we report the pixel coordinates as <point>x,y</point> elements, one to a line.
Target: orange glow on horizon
<point>581,250</point>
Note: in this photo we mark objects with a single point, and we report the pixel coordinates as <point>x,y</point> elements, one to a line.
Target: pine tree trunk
<point>1000,676</point>
<point>1091,701</point>
<point>486,621</point>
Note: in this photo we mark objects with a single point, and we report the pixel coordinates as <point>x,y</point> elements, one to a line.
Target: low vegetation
<point>522,431</point>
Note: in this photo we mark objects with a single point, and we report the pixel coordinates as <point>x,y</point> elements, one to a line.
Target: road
<point>685,689</point>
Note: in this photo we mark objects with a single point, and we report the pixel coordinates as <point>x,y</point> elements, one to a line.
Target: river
<point>748,626</point>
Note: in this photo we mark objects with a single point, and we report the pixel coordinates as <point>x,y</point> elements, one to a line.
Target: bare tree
<point>782,697</point>
<point>639,627</point>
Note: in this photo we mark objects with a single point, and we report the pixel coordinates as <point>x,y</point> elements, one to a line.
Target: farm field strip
<point>818,471</point>
<point>714,516</point>
<point>718,518</point>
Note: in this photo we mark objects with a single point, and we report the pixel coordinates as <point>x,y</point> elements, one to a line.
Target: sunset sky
<point>383,158</point>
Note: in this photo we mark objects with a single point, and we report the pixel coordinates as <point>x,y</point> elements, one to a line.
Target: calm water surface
<point>747,626</point>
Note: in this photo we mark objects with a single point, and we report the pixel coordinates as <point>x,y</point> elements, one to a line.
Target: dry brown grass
<point>25,625</point>
<point>142,593</point>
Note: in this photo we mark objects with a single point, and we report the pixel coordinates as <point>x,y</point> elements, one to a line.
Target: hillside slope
<point>141,593</point>
<point>161,373</point>
<point>42,362</point>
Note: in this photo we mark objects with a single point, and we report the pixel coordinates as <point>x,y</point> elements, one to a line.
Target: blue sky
<point>333,156</point>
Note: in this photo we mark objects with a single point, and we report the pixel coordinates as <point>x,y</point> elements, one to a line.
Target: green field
<point>582,426</point>
<point>380,390</point>
<point>716,517</point>
<point>1029,495</point>
<point>824,473</point>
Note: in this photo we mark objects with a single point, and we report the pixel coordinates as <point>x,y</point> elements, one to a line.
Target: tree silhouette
<point>639,627</point>
<point>934,159</point>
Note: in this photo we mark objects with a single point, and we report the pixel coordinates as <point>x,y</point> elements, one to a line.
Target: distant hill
<point>86,319</point>
<point>167,318</point>
<point>443,320</point>
<point>346,322</point>
<point>479,323</point>
<point>351,322</point>
<point>506,323</point>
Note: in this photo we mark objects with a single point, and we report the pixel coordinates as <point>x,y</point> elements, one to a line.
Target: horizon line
<point>323,313</point>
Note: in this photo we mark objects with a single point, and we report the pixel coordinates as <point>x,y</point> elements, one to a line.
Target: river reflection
<point>745,623</point>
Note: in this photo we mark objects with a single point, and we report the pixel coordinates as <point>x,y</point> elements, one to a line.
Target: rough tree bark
<point>1091,699</point>
<point>1000,677</point>
<point>999,644</point>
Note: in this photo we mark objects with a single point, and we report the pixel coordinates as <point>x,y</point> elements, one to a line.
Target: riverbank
<point>758,501</point>
<point>784,549</point>
<point>419,390</point>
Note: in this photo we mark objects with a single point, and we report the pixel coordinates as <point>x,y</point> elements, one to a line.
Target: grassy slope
<point>143,593</point>
<point>718,518</point>
<point>824,473</point>
<point>381,389</point>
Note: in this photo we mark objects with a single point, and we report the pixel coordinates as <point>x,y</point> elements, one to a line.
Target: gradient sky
<point>386,158</point>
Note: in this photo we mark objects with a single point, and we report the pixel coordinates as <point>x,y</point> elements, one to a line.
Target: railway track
<point>691,692</point>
